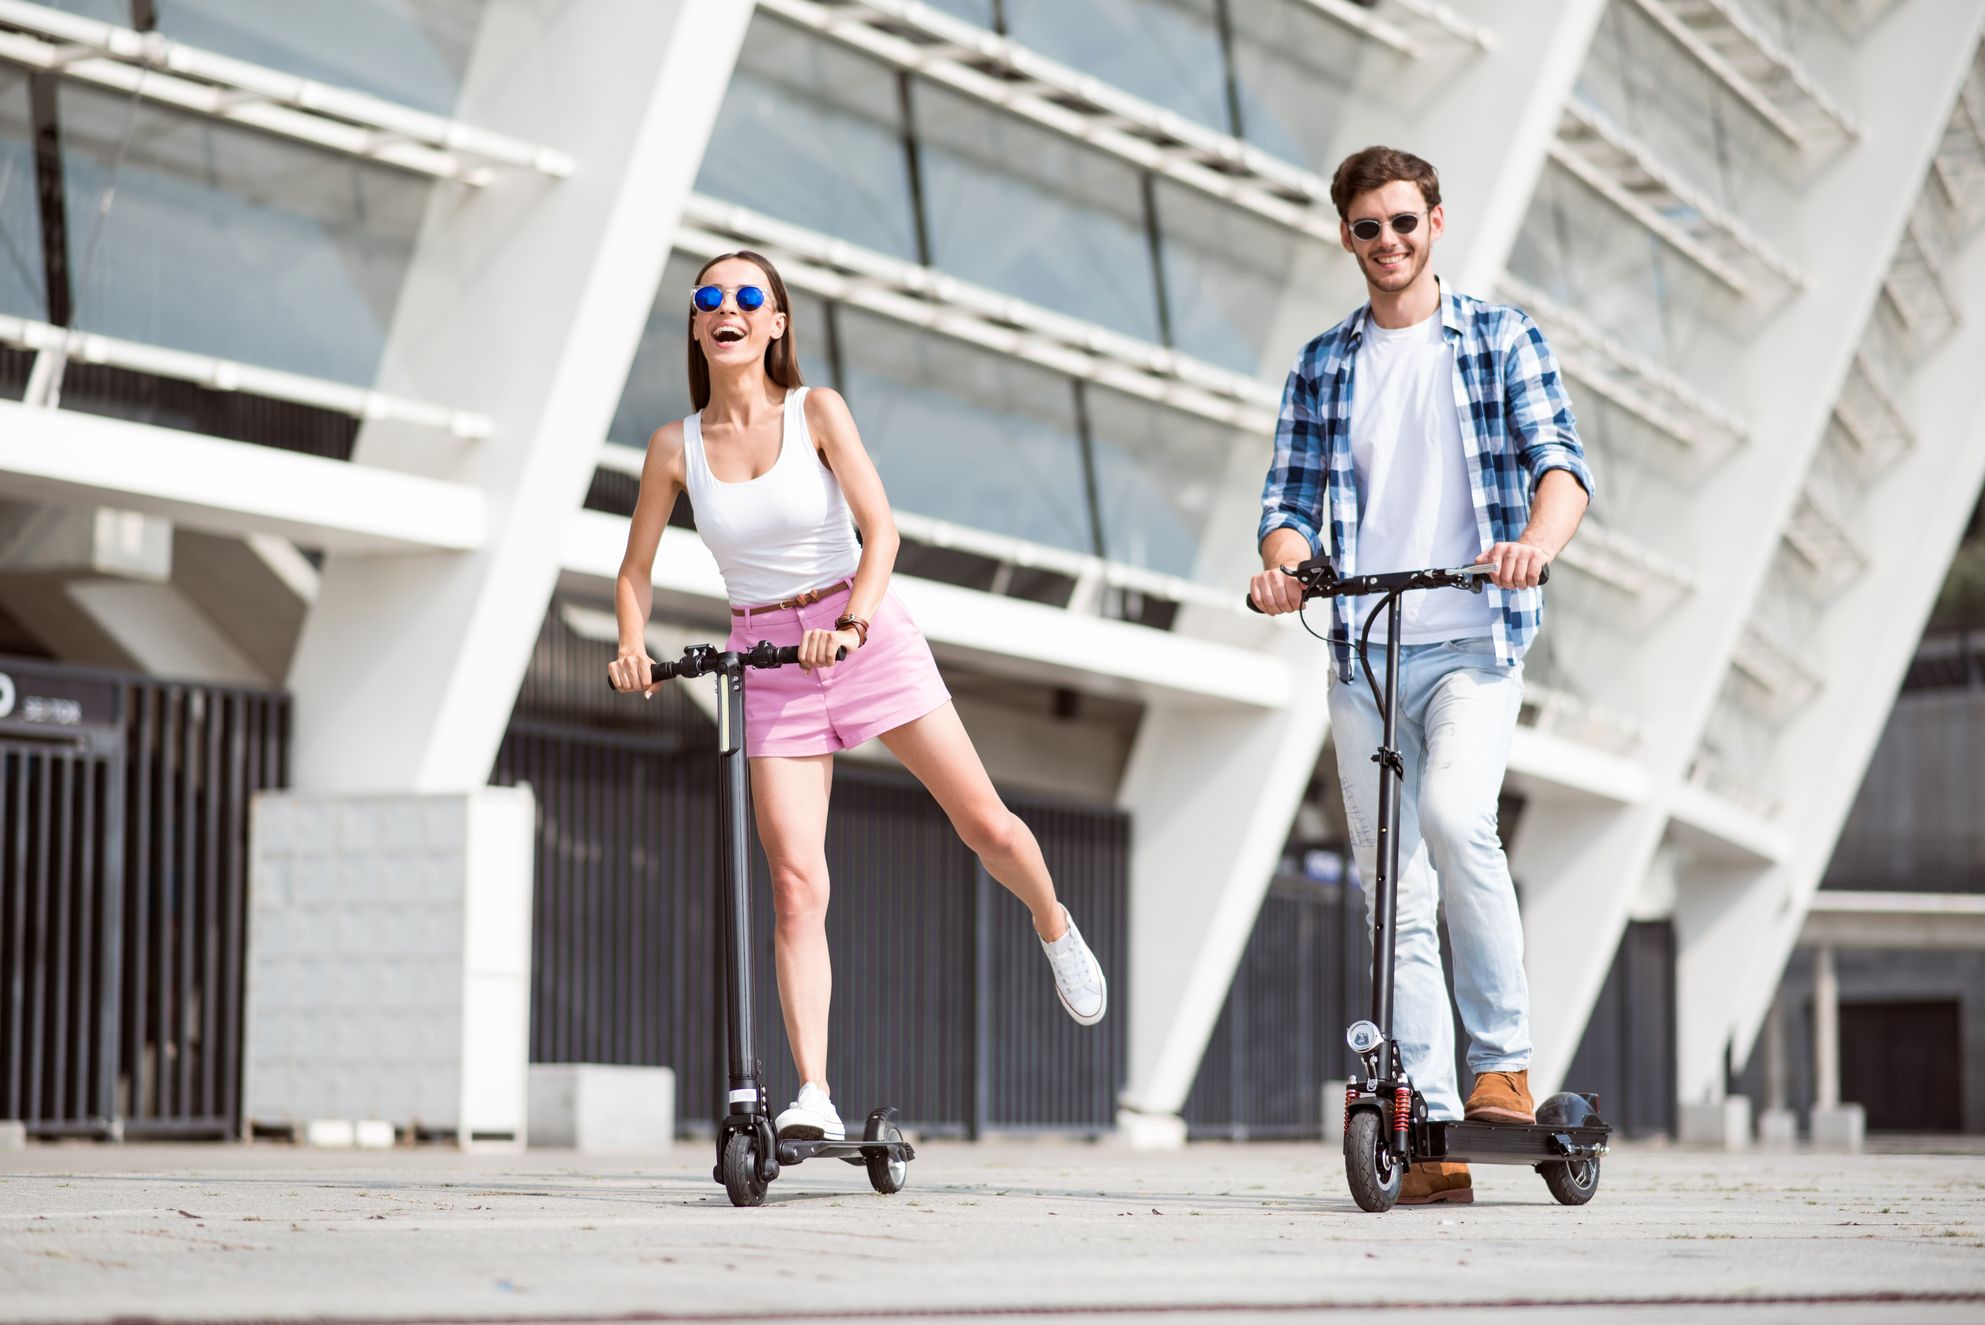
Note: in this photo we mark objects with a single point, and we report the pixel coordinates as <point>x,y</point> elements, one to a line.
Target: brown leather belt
<point>797,600</point>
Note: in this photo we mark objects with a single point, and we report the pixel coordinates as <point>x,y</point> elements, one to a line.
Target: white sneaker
<point>1078,975</point>
<point>811,1118</point>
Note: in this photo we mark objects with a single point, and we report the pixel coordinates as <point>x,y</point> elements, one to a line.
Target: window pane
<point>22,291</point>
<point>657,390</point>
<point>963,435</point>
<point>411,52</point>
<point>235,243</point>
<point>1156,477</point>
<point>1245,293</point>
<point>1032,214</point>
<point>972,11</point>
<point>1295,69</point>
<point>1165,51</point>
<point>811,133</point>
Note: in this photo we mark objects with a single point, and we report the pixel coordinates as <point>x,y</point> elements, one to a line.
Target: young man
<point>1430,429</point>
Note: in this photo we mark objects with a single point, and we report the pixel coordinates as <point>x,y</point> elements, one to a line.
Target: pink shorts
<point>789,711</point>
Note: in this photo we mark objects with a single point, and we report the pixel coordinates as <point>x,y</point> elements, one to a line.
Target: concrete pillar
<point>1836,1126</point>
<point>1778,1126</point>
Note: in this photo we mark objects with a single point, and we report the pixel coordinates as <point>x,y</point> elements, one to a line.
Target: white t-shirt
<point>1415,506</point>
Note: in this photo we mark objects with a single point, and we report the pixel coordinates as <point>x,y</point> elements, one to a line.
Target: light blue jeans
<point>1457,713</point>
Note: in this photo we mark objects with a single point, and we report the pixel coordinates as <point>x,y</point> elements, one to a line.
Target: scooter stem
<point>743,1066</point>
<point>1391,776</point>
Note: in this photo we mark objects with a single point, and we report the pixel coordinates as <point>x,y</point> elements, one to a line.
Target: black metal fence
<point>123,852</point>
<point>943,1004</point>
<point>1304,978</point>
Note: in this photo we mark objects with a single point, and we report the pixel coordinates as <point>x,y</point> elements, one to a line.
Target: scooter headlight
<point>1363,1037</point>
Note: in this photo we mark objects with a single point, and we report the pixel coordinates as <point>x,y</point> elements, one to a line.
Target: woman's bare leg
<point>938,751</point>
<point>790,798</point>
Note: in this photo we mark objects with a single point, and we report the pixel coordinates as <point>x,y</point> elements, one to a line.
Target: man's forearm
<point>1284,547</point>
<point>1555,511</point>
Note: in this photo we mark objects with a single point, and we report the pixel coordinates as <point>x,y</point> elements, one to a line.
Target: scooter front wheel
<point>741,1179</point>
<point>1369,1166</point>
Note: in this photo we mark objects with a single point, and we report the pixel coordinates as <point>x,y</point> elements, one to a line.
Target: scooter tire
<point>741,1180</point>
<point>1572,1182</point>
<point>1369,1166</point>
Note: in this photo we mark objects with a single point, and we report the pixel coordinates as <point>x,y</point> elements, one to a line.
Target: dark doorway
<point>1902,1063</point>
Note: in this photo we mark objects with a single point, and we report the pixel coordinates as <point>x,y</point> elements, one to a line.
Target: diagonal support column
<point>527,298</point>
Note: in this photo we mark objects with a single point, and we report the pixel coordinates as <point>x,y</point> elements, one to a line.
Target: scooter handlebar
<point>702,659</point>
<point>1320,581</point>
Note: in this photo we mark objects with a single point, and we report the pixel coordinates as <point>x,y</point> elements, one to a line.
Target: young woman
<point>774,470</point>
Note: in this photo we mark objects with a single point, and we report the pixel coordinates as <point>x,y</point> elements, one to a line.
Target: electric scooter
<point>749,1155</point>
<point>1386,1128</point>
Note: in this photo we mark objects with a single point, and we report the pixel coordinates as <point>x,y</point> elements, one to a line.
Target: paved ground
<point>1004,1230</point>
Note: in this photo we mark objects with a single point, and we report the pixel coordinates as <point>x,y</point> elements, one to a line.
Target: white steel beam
<point>78,459</point>
<point>173,73</point>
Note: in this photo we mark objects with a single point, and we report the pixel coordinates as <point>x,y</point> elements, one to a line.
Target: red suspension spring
<point>1350,1102</point>
<point>1402,1109</point>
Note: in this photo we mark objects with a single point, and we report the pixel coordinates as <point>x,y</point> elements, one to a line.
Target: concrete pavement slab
<point>991,1231</point>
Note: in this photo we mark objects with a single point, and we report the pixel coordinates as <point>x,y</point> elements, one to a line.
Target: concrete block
<point>598,1107</point>
<point>1843,1127</point>
<point>1333,1113</point>
<point>13,1135</point>
<point>1726,1123</point>
<point>373,1134</point>
<point>1778,1129</point>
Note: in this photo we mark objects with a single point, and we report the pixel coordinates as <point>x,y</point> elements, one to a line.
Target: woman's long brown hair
<point>782,362</point>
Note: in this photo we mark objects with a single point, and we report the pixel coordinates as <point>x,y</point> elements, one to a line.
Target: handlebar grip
<point>661,671</point>
<point>791,654</point>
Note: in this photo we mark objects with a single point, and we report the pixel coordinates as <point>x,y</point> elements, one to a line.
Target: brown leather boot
<point>1502,1097</point>
<point>1434,1182</point>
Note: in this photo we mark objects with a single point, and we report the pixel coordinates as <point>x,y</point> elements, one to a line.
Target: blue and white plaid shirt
<point>1516,426</point>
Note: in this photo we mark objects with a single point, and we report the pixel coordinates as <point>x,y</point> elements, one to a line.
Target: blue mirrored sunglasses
<point>710,298</point>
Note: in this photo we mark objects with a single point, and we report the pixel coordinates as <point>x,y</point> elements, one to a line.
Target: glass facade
<point>231,242</point>
<point>812,133</point>
<point>905,166</point>
<point>968,436</point>
<point>22,284</point>
<point>411,52</point>
<point>1029,213</point>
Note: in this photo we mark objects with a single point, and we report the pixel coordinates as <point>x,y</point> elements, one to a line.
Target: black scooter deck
<point>794,1151</point>
<point>1507,1143</point>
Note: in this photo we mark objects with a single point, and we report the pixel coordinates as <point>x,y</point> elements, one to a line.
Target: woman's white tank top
<point>779,534</point>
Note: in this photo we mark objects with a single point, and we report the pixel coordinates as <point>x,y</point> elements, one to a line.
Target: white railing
<point>1092,575</point>
<point>1761,74</point>
<point>239,92</point>
<point>55,346</point>
<point>1609,161</point>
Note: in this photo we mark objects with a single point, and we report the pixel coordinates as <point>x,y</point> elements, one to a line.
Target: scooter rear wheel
<point>1369,1166</point>
<point>1572,1181</point>
<point>886,1175</point>
<point>741,1180</point>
